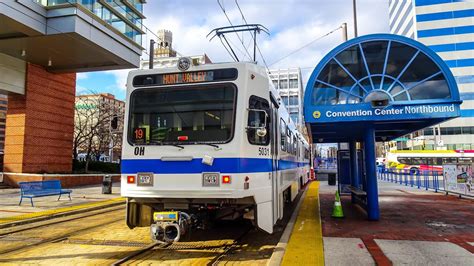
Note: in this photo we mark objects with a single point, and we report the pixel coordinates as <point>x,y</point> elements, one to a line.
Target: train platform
<point>82,198</point>
<point>416,227</point>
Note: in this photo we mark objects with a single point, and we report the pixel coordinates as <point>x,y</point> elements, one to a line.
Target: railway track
<point>101,236</point>
<point>222,249</point>
<point>10,233</point>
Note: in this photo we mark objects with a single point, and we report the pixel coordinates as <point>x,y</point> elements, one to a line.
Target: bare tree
<point>93,132</point>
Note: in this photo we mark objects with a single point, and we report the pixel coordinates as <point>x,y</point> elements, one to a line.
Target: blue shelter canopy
<point>391,83</point>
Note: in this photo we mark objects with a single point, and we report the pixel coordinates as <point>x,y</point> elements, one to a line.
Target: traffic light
<point>114,122</point>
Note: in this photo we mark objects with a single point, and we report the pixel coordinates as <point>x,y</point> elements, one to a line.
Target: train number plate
<point>145,179</point>
<point>210,179</point>
<point>165,216</point>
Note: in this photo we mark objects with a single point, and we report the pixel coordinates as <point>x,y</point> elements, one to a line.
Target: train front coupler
<point>169,226</point>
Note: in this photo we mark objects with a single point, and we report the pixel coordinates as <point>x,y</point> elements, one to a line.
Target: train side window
<point>258,124</point>
<point>295,147</point>
<point>288,139</point>
<point>282,135</point>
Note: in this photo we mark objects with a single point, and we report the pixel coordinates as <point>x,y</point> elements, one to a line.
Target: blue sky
<point>292,24</point>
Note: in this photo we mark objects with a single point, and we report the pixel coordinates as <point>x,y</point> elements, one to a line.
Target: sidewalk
<point>416,227</point>
<point>82,197</point>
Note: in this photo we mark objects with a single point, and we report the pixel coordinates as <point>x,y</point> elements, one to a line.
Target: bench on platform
<point>357,191</point>
<point>42,189</point>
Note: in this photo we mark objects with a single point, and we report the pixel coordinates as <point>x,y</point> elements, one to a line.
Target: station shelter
<point>376,88</point>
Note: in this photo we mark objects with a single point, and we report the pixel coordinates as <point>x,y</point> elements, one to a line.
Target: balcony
<point>73,35</point>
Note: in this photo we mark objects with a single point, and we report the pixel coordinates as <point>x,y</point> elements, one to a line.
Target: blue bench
<point>42,189</point>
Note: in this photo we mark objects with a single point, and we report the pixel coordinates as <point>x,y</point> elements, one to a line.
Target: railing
<point>414,178</point>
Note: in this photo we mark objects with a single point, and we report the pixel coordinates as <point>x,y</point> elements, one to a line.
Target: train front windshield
<point>182,115</point>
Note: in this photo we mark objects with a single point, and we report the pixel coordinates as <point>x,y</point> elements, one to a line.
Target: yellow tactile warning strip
<point>60,210</point>
<point>306,242</point>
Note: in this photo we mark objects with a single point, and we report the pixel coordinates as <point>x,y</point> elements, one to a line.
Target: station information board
<point>458,178</point>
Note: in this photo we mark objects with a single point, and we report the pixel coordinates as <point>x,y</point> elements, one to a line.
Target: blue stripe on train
<point>195,166</point>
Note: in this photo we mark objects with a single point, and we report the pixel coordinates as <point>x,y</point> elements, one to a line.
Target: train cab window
<point>282,135</point>
<point>258,129</point>
<point>182,115</point>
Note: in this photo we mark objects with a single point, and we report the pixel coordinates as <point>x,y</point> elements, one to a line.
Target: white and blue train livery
<point>205,142</point>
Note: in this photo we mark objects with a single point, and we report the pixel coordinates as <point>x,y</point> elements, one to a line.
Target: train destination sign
<point>332,113</point>
<point>185,77</point>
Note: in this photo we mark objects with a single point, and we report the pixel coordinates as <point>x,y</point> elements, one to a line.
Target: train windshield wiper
<point>161,144</point>
<point>212,145</point>
<point>176,145</point>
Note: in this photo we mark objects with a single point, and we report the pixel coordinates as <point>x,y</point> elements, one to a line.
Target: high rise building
<point>447,27</point>
<point>290,87</point>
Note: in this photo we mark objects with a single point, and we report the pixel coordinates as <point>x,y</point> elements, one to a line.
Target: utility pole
<point>354,9</point>
<point>344,32</point>
<point>152,54</point>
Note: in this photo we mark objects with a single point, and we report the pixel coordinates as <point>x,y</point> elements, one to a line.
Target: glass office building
<point>124,15</point>
<point>290,87</point>
<point>447,27</point>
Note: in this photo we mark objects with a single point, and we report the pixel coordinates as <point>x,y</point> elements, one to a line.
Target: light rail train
<point>207,142</point>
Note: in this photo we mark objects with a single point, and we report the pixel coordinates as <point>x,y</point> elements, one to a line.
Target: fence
<point>420,179</point>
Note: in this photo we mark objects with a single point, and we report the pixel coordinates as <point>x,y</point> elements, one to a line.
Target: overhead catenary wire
<point>306,45</point>
<point>232,25</point>
<point>253,37</point>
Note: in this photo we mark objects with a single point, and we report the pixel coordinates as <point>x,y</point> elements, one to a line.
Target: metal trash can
<point>107,184</point>
<point>332,179</point>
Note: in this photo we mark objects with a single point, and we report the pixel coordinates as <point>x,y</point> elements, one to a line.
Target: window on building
<point>294,118</point>
<point>428,132</point>
<point>293,83</point>
<point>293,100</point>
<point>275,84</point>
<point>283,84</point>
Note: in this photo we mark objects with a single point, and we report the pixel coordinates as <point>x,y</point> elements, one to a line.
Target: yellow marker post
<point>305,246</point>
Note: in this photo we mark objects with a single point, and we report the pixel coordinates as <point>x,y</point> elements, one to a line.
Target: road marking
<point>306,244</point>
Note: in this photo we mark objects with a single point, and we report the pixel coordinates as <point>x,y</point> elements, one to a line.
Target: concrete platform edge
<point>279,252</point>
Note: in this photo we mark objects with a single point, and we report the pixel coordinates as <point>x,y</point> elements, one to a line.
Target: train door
<point>274,153</point>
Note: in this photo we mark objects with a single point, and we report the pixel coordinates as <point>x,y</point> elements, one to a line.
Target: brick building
<point>43,44</point>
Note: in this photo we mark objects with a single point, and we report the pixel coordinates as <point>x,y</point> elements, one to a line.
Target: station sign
<point>365,112</point>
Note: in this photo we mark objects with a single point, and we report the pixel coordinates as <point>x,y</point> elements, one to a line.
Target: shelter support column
<point>372,191</point>
<point>354,166</point>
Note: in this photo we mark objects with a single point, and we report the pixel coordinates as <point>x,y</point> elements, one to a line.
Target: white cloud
<point>82,75</point>
<point>292,24</point>
<point>120,78</point>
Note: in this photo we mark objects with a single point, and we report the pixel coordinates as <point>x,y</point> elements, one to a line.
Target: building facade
<point>447,27</point>
<point>43,44</point>
<point>290,87</point>
<point>165,55</point>
<point>98,130</point>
